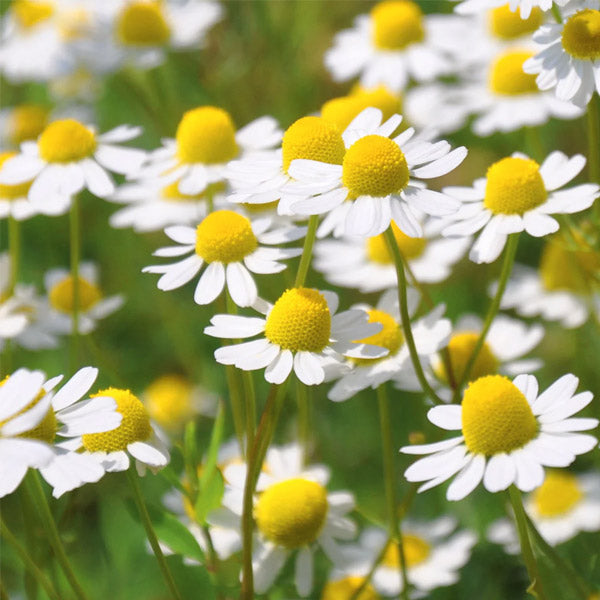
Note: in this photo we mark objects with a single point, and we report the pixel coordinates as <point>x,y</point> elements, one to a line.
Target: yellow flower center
<point>378,252</point>
<point>255,209</point>
<point>562,269</point>
<point>292,513</point>
<point>559,493</point>
<point>206,135</point>
<point>26,122</point>
<point>171,193</point>
<point>135,425</point>
<point>143,24</point>
<point>169,401</point>
<point>416,550</point>
<point>299,321</point>
<point>312,138</point>
<point>397,24</point>
<point>10,192</point>
<point>225,236</point>
<point>507,77</point>
<point>389,337</point>
<point>346,588</point>
<point>29,13</point>
<point>61,295</point>
<point>496,416</point>
<point>508,25</point>
<point>66,141</point>
<point>374,166</point>
<point>514,186</point>
<point>581,35</point>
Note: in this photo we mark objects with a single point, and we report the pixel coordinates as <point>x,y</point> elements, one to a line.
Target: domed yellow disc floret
<point>508,25</point>
<point>206,135</point>
<point>581,35</point>
<point>377,249</point>
<point>143,24</point>
<point>374,166</point>
<point>416,550</point>
<point>388,102</point>
<point>29,13</point>
<point>507,77</point>
<point>66,141</point>
<point>292,513</point>
<point>496,416</point>
<point>26,122</point>
<point>514,186</point>
<point>10,192</point>
<point>312,138</point>
<point>389,337</point>
<point>460,347</point>
<point>169,401</point>
<point>299,321</point>
<point>61,295</point>
<point>346,588</point>
<point>397,24</point>
<point>135,424</point>
<point>225,236</point>
<point>559,494</point>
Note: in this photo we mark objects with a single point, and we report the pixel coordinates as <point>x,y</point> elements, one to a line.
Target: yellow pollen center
<point>292,513</point>
<point>206,135</point>
<point>10,192</point>
<point>26,122</point>
<point>346,588</point>
<point>312,138</point>
<point>143,24</point>
<point>514,186</point>
<point>374,166</point>
<point>169,401</point>
<point>496,416</point>
<point>397,24</point>
<point>581,35</point>
<point>135,424</point>
<point>378,252</point>
<point>66,141</point>
<point>29,13</point>
<point>61,295</point>
<point>299,321</point>
<point>507,77</point>
<point>416,550</point>
<point>508,25</point>
<point>225,236</point>
<point>559,494</point>
<point>389,337</point>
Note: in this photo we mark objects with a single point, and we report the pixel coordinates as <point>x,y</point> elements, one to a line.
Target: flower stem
<point>75,250</point>
<point>14,248</point>
<point>535,588</point>
<point>302,395</point>
<point>34,487</point>
<point>507,265</point>
<point>556,13</point>
<point>150,534</point>
<point>309,242</point>
<point>405,317</point>
<point>390,482</point>
<point>593,128</point>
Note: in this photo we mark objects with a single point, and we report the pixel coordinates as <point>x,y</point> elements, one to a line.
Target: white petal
<point>280,368</point>
<point>241,285</point>
<point>308,368</point>
<point>211,284</point>
<point>75,388</point>
<point>180,273</point>
<point>446,417</point>
<point>97,180</point>
<point>467,479</point>
<point>500,472</point>
<point>303,577</point>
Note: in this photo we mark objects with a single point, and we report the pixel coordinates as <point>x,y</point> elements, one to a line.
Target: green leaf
<point>210,465</point>
<point>210,496</point>
<point>190,455</point>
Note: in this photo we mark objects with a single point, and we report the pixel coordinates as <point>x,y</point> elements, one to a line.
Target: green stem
<point>556,13</point>
<point>150,534</point>
<point>75,248</point>
<point>535,588</point>
<point>14,249</point>
<point>507,265</point>
<point>30,567</point>
<point>309,242</point>
<point>237,405</point>
<point>36,491</point>
<point>534,143</point>
<point>405,317</point>
<point>389,454</point>
<point>302,395</point>
<point>593,128</point>
<point>367,579</point>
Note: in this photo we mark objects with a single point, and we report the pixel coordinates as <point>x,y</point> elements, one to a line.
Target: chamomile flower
<point>22,123</point>
<point>13,198</point>
<point>565,504</point>
<point>13,321</point>
<point>525,6</point>
<point>518,194</point>
<point>508,435</point>
<point>67,158</point>
<point>430,334</point>
<point>568,61</point>
<point>344,585</point>
<point>377,180</point>
<point>301,331</point>
<point>230,245</point>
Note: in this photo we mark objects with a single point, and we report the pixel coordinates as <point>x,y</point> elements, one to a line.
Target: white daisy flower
<point>294,514</point>
<point>375,175</point>
<point>568,61</point>
<point>518,194</point>
<point>231,246</point>
<point>92,305</point>
<point>508,435</point>
<point>526,7</point>
<point>430,334</point>
<point>565,504</point>
<point>394,44</point>
<point>69,157</point>
<point>300,332</point>
<point>13,198</point>
<point>22,123</point>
